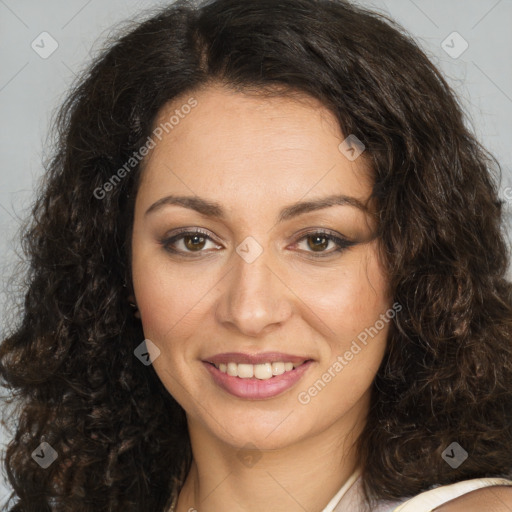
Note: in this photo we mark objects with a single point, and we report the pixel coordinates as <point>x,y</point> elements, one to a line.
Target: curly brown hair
<point>69,363</point>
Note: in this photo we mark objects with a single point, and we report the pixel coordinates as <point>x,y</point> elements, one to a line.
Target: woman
<point>267,273</point>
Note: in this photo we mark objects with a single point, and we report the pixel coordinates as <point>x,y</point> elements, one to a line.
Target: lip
<point>262,357</point>
<point>256,389</point>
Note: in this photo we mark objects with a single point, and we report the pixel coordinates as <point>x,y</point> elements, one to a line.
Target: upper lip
<point>262,357</point>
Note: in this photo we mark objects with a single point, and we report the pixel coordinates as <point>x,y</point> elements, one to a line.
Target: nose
<point>255,300</point>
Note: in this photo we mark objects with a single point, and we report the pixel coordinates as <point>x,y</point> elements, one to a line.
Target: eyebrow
<point>213,209</point>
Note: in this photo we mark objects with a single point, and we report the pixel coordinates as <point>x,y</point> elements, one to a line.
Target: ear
<point>133,304</point>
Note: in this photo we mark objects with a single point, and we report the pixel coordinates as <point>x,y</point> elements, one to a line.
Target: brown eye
<point>194,242</point>
<point>318,242</point>
<point>189,242</point>
<point>323,244</point>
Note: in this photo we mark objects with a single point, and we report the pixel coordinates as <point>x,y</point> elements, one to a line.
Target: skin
<point>254,156</point>
<point>491,499</point>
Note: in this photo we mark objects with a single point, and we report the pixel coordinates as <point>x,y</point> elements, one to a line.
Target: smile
<point>257,381</point>
<point>262,371</point>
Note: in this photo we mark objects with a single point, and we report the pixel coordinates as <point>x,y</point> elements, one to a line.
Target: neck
<point>304,475</point>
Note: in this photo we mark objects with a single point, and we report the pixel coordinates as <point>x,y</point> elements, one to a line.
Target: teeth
<point>278,368</point>
<point>259,371</point>
<point>232,369</point>
<point>245,371</point>
<point>263,371</point>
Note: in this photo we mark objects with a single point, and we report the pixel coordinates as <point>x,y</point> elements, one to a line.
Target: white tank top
<point>350,498</point>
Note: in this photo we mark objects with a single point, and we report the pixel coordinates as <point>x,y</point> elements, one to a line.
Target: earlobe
<point>133,304</point>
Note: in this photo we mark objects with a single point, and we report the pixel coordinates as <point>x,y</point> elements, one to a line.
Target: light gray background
<point>32,87</point>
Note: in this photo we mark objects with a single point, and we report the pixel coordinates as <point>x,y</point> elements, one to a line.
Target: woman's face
<point>265,280</point>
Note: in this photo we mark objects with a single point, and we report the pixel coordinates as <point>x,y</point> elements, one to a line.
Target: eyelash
<point>341,242</point>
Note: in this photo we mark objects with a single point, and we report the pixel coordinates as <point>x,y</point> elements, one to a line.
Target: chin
<point>266,434</point>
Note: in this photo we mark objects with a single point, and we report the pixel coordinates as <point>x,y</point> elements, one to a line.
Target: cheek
<point>171,298</point>
<point>156,292</point>
<point>351,298</point>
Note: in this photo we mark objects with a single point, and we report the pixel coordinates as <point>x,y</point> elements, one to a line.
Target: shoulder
<point>495,498</point>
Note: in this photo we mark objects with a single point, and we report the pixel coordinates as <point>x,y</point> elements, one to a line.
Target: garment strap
<point>346,486</point>
<point>429,500</point>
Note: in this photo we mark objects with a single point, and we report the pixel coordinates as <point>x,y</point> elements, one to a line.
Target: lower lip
<point>257,389</point>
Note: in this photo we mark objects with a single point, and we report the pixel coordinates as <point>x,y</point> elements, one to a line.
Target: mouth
<point>259,376</point>
<point>261,371</point>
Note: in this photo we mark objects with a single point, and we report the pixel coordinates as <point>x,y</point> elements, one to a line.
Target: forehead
<point>271,148</point>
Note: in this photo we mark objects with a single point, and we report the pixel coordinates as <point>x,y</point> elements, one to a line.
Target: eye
<point>193,241</point>
<point>316,243</point>
<point>319,241</point>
